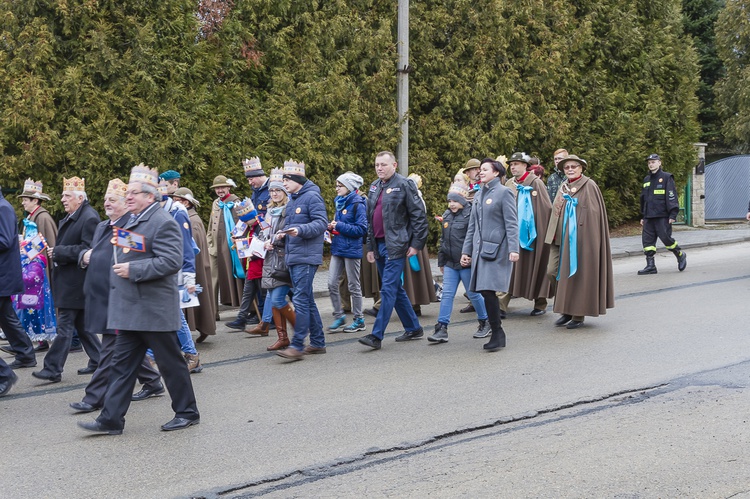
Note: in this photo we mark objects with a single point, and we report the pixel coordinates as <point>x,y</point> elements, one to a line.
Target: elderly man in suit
<point>98,261</point>
<point>144,308</point>
<point>73,238</point>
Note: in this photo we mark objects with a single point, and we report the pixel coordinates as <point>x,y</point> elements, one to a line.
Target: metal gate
<point>728,188</point>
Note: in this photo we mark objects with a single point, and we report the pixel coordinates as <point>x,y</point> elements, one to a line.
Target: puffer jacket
<point>351,227</point>
<point>306,212</point>
<point>455,226</point>
<point>268,282</point>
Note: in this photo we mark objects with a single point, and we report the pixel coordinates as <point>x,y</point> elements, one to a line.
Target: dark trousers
<point>68,320</point>
<point>492,304</point>
<point>97,387</point>
<point>130,347</point>
<point>392,295</point>
<point>6,373</point>
<point>661,228</point>
<point>251,290</point>
<point>17,337</point>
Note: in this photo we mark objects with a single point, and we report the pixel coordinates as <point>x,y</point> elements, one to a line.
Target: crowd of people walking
<point>134,286</point>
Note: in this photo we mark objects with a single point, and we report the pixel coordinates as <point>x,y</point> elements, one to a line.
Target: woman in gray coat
<point>491,245</point>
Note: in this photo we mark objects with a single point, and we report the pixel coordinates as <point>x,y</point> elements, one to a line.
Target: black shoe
<point>236,324</point>
<point>538,311</point>
<point>681,261</point>
<point>372,312</point>
<point>76,348</point>
<point>574,324</point>
<point>83,407</point>
<point>417,310</point>
<point>440,335</point>
<point>7,349</point>
<point>564,319</point>
<point>87,370</point>
<point>97,427</point>
<point>467,309</point>
<point>502,314</point>
<point>147,392</point>
<point>179,424</point>
<point>497,340</point>
<point>371,341</point>
<point>5,386</point>
<point>43,346</point>
<point>47,376</point>
<point>18,365</point>
<point>411,335</point>
<point>252,320</point>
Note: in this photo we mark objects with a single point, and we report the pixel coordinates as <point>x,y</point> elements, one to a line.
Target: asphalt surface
<point>647,401</point>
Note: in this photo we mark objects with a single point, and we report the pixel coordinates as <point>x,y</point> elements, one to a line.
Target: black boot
<point>681,260</point>
<point>497,340</point>
<point>650,267</point>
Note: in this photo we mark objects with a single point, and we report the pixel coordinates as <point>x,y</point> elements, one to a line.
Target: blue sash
<point>526,224</point>
<point>237,269</point>
<point>570,218</point>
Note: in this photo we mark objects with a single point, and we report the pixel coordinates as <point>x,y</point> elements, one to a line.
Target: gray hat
<point>654,157</point>
<point>185,193</point>
<point>350,180</point>
<point>572,157</point>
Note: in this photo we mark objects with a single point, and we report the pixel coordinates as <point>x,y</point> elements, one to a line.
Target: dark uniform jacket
<point>11,279</point>
<point>455,226</point>
<point>659,196</point>
<point>73,238</point>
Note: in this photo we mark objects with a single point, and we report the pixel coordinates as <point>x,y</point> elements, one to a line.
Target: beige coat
<point>228,286</point>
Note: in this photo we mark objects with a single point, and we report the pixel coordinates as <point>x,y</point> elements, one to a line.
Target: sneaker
<point>337,325</point>
<point>483,330</point>
<point>371,341</point>
<point>356,325</point>
<point>440,335</point>
<point>411,335</point>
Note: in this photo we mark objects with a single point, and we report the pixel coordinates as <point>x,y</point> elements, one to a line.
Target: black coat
<point>455,226</point>
<point>74,236</point>
<point>11,280</point>
<point>96,284</point>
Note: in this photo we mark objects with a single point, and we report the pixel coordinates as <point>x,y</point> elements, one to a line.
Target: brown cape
<point>590,291</point>
<point>529,279</point>
<point>230,288</point>
<point>203,317</point>
<point>419,286</point>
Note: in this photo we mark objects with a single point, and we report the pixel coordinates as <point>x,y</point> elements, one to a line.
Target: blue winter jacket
<point>306,212</point>
<point>261,198</point>
<point>351,227</point>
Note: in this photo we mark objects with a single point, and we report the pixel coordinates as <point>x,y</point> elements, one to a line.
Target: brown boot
<point>280,322</point>
<point>259,329</point>
<point>193,362</point>
<point>288,313</point>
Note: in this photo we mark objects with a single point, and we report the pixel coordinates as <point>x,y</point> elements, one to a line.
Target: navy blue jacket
<point>351,225</point>
<point>180,215</point>
<point>11,280</point>
<point>261,198</point>
<point>306,212</point>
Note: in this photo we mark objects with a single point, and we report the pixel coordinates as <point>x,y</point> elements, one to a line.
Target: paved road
<point>647,401</point>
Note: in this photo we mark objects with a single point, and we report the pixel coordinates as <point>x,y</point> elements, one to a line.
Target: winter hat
<point>459,192</point>
<point>351,181</point>
<point>276,180</point>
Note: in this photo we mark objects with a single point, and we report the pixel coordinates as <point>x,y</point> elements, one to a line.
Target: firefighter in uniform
<point>659,208</point>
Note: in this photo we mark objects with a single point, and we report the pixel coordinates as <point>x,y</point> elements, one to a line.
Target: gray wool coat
<point>148,300</point>
<point>491,237</point>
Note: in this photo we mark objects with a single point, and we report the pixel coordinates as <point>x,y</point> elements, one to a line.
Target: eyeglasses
<point>133,193</point>
<point>338,186</point>
<point>571,166</point>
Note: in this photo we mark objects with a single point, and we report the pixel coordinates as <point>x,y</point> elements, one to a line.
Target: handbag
<point>279,270</point>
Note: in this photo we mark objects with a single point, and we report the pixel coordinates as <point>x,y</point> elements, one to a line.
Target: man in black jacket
<point>397,230</point>
<point>659,209</point>
<point>73,238</point>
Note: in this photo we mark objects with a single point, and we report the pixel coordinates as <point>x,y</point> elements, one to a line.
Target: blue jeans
<point>392,294</point>
<point>185,338</point>
<point>451,277</point>
<point>275,298</point>
<point>308,317</point>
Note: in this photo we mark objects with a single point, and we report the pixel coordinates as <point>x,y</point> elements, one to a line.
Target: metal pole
<point>402,153</point>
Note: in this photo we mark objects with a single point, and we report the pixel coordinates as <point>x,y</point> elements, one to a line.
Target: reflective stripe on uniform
<point>672,246</point>
<point>646,184</point>
<point>659,191</point>
<point>649,248</point>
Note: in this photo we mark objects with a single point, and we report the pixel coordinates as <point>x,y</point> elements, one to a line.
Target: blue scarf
<point>526,224</point>
<point>572,219</point>
<point>237,269</point>
<point>340,202</point>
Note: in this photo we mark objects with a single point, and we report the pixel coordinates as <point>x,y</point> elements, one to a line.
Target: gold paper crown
<point>277,175</point>
<point>74,184</point>
<point>162,188</point>
<point>116,187</point>
<point>460,189</point>
<point>245,207</point>
<point>417,179</point>
<point>145,175</point>
<point>503,160</point>
<point>291,167</point>
<point>32,187</point>
<point>252,164</point>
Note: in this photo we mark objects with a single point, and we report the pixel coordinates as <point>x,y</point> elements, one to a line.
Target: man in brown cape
<point>580,256</point>
<point>227,275</point>
<point>203,317</point>
<point>529,278</point>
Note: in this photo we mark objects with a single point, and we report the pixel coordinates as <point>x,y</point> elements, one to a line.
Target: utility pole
<point>402,153</point>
